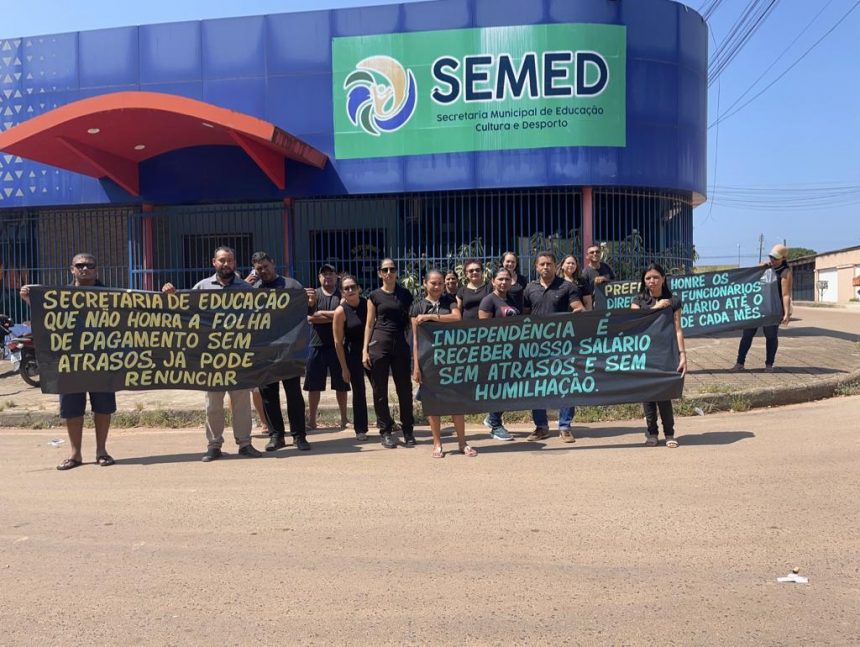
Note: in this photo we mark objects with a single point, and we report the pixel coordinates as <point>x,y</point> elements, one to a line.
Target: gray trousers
<point>240,402</point>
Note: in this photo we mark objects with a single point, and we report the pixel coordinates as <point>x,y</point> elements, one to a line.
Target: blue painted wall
<point>278,67</point>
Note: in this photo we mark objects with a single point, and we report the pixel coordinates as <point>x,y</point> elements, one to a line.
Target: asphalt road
<point>601,542</point>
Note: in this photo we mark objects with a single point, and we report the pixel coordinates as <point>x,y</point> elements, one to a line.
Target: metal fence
<point>143,250</point>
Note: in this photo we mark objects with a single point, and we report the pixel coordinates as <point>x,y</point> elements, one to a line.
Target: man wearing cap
<point>323,359</point>
<point>778,262</point>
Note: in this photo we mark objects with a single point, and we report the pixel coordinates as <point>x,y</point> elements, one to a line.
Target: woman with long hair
<point>511,263</point>
<point>439,307</point>
<point>348,324</point>
<point>452,283</point>
<point>569,270</point>
<point>386,351</point>
<point>654,294</point>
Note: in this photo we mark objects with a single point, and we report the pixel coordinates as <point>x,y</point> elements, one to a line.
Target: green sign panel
<point>460,90</point>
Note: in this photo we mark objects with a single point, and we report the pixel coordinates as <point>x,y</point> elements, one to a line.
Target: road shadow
<point>791,330</point>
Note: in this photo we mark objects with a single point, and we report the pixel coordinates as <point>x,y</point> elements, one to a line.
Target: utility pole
<point>760,246</point>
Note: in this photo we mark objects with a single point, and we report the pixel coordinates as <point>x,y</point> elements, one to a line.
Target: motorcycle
<point>22,352</point>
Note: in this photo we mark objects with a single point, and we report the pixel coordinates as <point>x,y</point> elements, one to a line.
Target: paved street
<point>601,542</point>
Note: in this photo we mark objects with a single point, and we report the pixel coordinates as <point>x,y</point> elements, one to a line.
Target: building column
<point>587,222</point>
<point>148,248</point>
<point>288,227</point>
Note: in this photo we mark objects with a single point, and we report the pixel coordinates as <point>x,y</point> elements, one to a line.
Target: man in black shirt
<point>596,271</point>
<point>268,277</point>
<point>323,358</point>
<point>549,295</point>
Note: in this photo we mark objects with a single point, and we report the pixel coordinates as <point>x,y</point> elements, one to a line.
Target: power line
<point>756,12</point>
<point>731,113</point>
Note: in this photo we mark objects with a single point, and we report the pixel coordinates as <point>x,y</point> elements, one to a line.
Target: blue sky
<point>789,150</point>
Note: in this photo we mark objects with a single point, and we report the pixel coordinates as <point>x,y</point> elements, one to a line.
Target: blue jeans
<point>495,419</point>
<point>565,417</point>
<point>539,418</point>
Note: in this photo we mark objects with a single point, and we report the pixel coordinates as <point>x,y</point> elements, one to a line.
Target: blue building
<point>429,132</point>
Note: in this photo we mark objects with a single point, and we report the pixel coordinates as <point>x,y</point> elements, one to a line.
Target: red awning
<point>110,134</point>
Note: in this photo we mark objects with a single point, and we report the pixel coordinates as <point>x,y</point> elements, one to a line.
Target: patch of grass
<point>847,388</point>
<point>716,388</point>
<point>740,403</point>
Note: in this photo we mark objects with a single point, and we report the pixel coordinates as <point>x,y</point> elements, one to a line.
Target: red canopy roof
<point>110,134</point>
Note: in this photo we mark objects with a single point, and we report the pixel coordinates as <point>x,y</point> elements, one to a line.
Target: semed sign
<point>534,86</point>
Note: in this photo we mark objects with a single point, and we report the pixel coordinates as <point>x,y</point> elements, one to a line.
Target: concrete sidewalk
<point>819,353</point>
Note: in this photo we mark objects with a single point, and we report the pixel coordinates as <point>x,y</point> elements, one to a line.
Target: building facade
<point>431,132</point>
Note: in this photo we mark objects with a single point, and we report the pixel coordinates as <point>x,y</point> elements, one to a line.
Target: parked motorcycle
<point>22,352</point>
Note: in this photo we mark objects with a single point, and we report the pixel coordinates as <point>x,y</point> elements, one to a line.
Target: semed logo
<point>381,95</point>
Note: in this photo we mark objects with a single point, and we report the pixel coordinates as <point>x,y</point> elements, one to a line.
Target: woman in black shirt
<point>518,282</point>
<point>385,350</point>
<point>569,271</point>
<point>499,303</point>
<point>469,296</point>
<point>348,324</point>
<point>654,294</point>
<point>442,308</point>
<point>452,283</point>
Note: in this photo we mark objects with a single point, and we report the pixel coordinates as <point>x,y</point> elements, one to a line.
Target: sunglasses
<point>474,270</point>
<point>349,288</point>
<point>85,266</point>
<point>594,251</point>
<point>388,270</point>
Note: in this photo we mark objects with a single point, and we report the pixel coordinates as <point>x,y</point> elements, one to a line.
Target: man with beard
<point>225,278</point>
<point>266,276</point>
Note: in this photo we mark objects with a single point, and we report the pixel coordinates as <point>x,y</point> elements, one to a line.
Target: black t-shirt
<point>584,285</point>
<point>589,273</point>
<point>552,300</point>
<point>353,326</point>
<point>279,282</point>
<point>392,309</point>
<point>321,335</point>
<point>499,307</point>
<point>647,302</point>
<point>516,290</point>
<point>426,307</point>
<point>471,299</point>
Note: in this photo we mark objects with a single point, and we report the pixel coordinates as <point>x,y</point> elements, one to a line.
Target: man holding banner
<point>225,278</point>
<point>73,405</point>
<point>549,295</point>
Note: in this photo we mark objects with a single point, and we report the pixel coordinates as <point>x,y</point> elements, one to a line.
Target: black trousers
<point>389,353</point>
<point>359,393</point>
<point>667,415</point>
<point>771,343</point>
<point>295,407</point>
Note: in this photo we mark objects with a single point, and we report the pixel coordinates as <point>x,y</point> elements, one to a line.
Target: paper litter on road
<point>793,578</point>
<point>56,442</point>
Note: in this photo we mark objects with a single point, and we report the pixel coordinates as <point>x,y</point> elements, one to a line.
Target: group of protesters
<point>355,337</point>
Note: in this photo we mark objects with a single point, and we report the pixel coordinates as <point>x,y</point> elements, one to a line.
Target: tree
<point>797,252</point>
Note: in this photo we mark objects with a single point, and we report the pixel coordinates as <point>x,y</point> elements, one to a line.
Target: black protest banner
<point>517,363</point>
<point>712,301</point>
<point>100,339</point>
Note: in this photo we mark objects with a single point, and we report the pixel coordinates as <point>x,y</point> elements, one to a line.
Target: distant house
<point>829,277</point>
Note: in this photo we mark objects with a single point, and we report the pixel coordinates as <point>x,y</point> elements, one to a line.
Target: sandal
<point>468,451</point>
<point>671,442</point>
<point>105,460</point>
<point>438,452</point>
<point>69,463</point>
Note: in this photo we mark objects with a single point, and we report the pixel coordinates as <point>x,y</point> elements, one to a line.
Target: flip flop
<point>438,452</point>
<point>671,442</point>
<point>468,451</point>
<point>105,460</point>
<point>68,464</point>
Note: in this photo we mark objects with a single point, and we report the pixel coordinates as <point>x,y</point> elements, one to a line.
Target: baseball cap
<point>778,252</point>
<point>326,267</point>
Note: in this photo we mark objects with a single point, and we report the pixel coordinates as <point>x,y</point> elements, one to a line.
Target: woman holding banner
<point>440,308</point>
<point>385,350</point>
<point>348,324</point>
<point>654,294</point>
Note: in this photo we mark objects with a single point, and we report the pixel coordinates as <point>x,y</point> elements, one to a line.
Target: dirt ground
<point>601,542</point>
